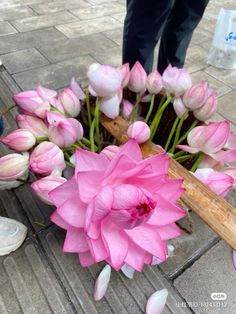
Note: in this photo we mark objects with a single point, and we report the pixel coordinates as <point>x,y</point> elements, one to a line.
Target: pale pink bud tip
<point>157,301</point>
<point>139,131</point>
<point>234,259</point>
<point>102,282</point>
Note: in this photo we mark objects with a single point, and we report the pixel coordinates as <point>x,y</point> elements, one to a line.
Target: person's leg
<point>142,29</point>
<point>177,34</point>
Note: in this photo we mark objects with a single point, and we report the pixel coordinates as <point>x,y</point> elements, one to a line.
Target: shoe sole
<point>12,248</point>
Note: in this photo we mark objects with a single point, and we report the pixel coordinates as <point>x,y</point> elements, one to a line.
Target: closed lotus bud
<point>111,106</point>
<point>179,107</point>
<point>138,78</point>
<point>33,124</point>
<point>154,82</point>
<point>125,74</point>
<point>70,102</point>
<point>176,81</point>
<point>13,167</point>
<point>139,131</point>
<point>207,110</point>
<point>127,108</point>
<point>46,157</point>
<point>19,140</point>
<point>76,89</point>
<point>45,185</point>
<point>195,96</point>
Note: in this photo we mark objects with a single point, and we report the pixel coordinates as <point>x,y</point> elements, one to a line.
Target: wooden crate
<point>211,208</point>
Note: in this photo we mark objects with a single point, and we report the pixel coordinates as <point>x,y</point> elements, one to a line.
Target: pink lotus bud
<point>20,140</point>
<point>231,142</point>
<point>179,107</point>
<point>138,78</point>
<point>207,110</point>
<point>110,106</point>
<point>127,108</point>
<point>33,124</point>
<point>56,104</point>
<point>70,102</point>
<point>45,185</point>
<point>46,157</point>
<point>76,89</point>
<point>195,96</point>
<point>110,151</point>
<point>46,93</point>
<point>31,102</point>
<point>139,131</point>
<point>154,82</point>
<point>13,167</point>
<point>104,80</point>
<point>231,171</point>
<point>125,74</point>
<point>176,81</point>
<point>63,131</point>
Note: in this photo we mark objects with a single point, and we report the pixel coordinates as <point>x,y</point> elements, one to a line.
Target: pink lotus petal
<point>86,259</point>
<point>231,143</point>
<point>234,259</point>
<point>75,241</point>
<point>156,302</point>
<point>188,149</point>
<point>98,249</point>
<point>88,187</point>
<point>63,192</point>
<point>77,90</point>
<point>128,271</point>
<point>102,282</point>
<point>89,161</point>
<point>111,106</point>
<point>46,93</point>
<point>225,155</point>
<point>58,220</point>
<point>135,257</point>
<point>170,231</point>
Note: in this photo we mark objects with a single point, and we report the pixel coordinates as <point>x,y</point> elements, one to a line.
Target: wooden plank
<point>211,208</point>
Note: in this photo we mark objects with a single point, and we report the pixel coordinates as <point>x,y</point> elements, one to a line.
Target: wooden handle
<point>211,208</point>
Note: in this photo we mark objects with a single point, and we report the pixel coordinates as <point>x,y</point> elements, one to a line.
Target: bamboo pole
<point>218,214</point>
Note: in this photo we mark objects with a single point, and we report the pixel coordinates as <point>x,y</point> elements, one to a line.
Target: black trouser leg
<point>142,29</point>
<point>183,19</point>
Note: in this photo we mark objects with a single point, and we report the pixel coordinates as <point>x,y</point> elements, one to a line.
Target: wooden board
<point>211,208</point>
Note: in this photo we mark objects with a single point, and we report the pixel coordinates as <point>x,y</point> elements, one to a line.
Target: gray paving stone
<point>28,285</point>
<point>16,12</point>
<point>98,10</point>
<point>23,60</point>
<point>196,58</point>
<point>37,38</point>
<point>226,106</point>
<point>189,246</point>
<point>111,56</point>
<point>42,21</point>
<point>200,35</point>
<point>55,75</point>
<point>13,3</point>
<point>201,75</point>
<point>227,77</point>
<point>119,17</point>
<point>116,35</point>
<point>71,48</point>
<point>123,295</point>
<point>77,29</point>
<point>60,5</point>
<point>94,2</point>
<point>6,29</point>
<point>213,272</point>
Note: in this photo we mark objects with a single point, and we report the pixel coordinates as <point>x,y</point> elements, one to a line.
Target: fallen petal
<point>156,302</point>
<point>128,271</point>
<point>102,282</point>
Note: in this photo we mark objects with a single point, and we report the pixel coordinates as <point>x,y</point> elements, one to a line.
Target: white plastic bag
<point>223,50</point>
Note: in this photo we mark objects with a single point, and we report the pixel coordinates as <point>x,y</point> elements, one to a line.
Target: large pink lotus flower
<point>211,140</point>
<point>124,216</point>
<point>176,81</point>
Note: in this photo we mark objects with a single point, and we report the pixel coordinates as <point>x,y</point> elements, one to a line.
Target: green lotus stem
<point>178,130</point>
<point>171,133</point>
<point>155,123</point>
<point>150,108</point>
<point>135,109</point>
<point>176,155</point>
<point>183,158</point>
<point>96,116</point>
<point>88,107</point>
<point>56,110</point>
<point>69,164</point>
<point>197,162</point>
<point>161,102</point>
<point>41,139</point>
<point>185,135</point>
<point>91,135</point>
<point>85,141</point>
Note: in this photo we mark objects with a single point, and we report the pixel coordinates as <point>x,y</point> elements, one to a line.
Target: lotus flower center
<point>143,209</point>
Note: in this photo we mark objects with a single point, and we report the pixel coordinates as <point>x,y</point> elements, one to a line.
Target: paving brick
<point>200,35</point>
<point>123,295</point>
<point>196,58</point>
<point>71,48</point>
<point>60,5</point>
<point>110,56</point>
<point>94,2</point>
<point>227,77</point>
<point>42,21</point>
<point>226,106</point>
<point>56,75</point>
<point>16,12</point>
<point>23,60</point>
<point>119,17</point>
<point>36,39</point>
<point>98,10</point>
<point>213,272</point>
<point>116,35</point>
<point>6,29</point>
<point>28,285</point>
<point>82,28</point>
<point>189,246</point>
